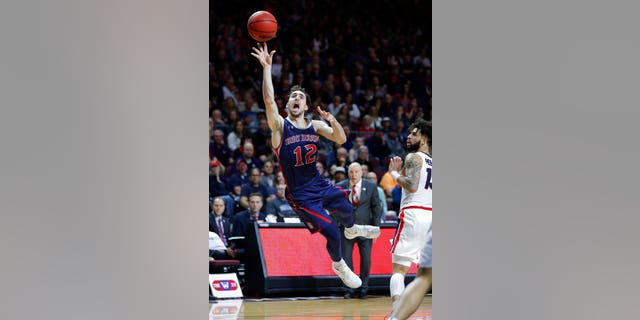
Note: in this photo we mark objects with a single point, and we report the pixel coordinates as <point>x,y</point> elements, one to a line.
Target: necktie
<point>354,198</point>
<point>221,231</point>
<point>254,218</point>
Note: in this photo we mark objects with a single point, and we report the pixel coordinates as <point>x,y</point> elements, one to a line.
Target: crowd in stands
<point>369,64</point>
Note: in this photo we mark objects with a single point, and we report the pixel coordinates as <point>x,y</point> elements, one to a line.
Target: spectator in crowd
<point>387,183</point>
<point>253,186</point>
<point>338,174</point>
<point>377,145</point>
<point>243,219</point>
<point>321,169</point>
<point>279,178</point>
<point>363,156</point>
<point>392,141</point>
<point>219,150</point>
<point>342,158</point>
<point>373,177</point>
<point>279,206</point>
<point>219,184</point>
<point>367,127</point>
<point>248,157</point>
<point>217,119</point>
<point>235,137</point>
<point>335,105</point>
<point>353,152</point>
<point>241,175</point>
<point>221,227</point>
<point>385,124</point>
<point>217,249</point>
<point>268,175</point>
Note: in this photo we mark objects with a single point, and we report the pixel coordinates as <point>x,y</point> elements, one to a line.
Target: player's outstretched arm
<point>334,132</point>
<point>265,58</point>
<point>411,177</point>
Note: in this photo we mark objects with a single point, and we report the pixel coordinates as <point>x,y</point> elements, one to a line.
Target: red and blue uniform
<point>308,192</point>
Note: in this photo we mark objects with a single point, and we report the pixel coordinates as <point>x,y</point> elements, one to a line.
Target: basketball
<point>262,26</point>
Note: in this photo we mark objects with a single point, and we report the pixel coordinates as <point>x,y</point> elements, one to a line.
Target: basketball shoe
<point>358,230</point>
<point>347,276</point>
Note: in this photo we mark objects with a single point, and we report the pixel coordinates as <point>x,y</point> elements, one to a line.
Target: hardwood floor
<point>326,308</point>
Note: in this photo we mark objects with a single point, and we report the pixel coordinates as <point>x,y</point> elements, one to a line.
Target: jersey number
<point>309,157</point>
<point>428,184</point>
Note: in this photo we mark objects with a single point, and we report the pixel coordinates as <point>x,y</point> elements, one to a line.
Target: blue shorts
<point>312,202</point>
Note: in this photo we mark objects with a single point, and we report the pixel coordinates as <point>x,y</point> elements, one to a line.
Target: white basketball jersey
<point>422,197</point>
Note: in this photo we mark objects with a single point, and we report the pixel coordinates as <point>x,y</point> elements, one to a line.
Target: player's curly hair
<point>424,127</point>
<point>299,88</point>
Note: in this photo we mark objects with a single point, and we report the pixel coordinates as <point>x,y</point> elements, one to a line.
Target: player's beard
<point>413,147</point>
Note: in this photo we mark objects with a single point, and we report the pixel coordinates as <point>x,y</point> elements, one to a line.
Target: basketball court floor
<point>324,307</point>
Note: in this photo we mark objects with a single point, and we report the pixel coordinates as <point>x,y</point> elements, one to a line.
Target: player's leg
<point>400,267</point>
<point>335,200</point>
<point>411,235</point>
<point>317,219</point>
<point>415,291</point>
<point>331,232</point>
<point>413,295</point>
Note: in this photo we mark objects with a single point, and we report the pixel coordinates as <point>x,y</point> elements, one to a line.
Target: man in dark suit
<point>243,219</point>
<point>367,210</point>
<point>221,225</point>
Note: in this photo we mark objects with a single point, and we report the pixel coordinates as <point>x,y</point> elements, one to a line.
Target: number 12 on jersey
<point>309,157</point>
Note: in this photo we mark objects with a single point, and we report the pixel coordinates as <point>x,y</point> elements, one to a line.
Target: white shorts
<point>426,254</point>
<point>414,227</point>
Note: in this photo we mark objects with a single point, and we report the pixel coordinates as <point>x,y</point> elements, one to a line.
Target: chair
<point>224,266</point>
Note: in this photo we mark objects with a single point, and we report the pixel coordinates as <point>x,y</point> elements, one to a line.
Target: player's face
<point>413,140</point>
<point>297,103</point>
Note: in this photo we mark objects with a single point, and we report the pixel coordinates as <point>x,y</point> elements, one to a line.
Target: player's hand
<point>395,164</point>
<point>262,54</point>
<point>326,115</point>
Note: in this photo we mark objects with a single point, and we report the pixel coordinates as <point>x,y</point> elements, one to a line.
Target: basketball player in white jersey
<point>414,226</point>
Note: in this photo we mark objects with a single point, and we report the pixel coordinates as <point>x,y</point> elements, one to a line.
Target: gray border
<point>103,128</point>
<point>535,209</point>
<point>102,137</point>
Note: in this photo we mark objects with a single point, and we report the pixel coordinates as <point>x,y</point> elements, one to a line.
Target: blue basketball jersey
<point>297,155</point>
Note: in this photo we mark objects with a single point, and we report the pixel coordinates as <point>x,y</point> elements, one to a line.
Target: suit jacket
<point>241,222</point>
<point>226,225</point>
<point>369,208</point>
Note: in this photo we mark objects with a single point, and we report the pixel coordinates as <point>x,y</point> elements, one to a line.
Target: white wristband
<point>394,174</point>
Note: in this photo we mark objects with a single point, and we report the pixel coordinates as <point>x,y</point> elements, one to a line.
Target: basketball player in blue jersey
<point>311,195</point>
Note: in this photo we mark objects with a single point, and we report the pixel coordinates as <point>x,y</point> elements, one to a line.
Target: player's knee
<point>401,263</point>
<point>423,272</point>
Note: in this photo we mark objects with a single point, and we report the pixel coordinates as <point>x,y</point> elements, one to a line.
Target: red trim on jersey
<point>317,215</point>
<point>276,149</point>
<point>396,236</point>
<point>309,211</point>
